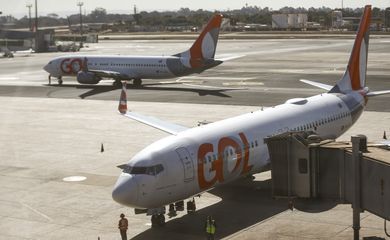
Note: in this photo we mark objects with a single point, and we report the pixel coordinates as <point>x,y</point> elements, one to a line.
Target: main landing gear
<point>137,82</point>
<point>158,218</point>
<point>117,83</point>
<point>58,78</point>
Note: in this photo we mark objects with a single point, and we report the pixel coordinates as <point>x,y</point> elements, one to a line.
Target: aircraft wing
<point>168,127</point>
<point>109,74</point>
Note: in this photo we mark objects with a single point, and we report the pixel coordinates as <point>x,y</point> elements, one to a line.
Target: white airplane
<point>194,160</point>
<point>90,69</point>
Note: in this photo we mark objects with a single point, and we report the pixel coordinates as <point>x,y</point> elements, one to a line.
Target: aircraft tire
<point>117,83</point>
<point>161,220</point>
<point>154,220</point>
<point>137,82</point>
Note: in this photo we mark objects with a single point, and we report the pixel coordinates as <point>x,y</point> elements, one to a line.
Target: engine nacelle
<point>87,78</point>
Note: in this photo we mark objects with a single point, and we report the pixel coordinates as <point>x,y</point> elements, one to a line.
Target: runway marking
<point>242,83</point>
<point>9,78</point>
<point>213,87</point>
<point>285,50</point>
<point>74,179</point>
<point>216,78</point>
<point>36,211</point>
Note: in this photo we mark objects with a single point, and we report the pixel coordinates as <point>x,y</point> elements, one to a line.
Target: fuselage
<point>129,67</point>
<point>184,165</point>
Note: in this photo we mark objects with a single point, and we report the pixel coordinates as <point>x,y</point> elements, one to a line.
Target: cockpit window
<point>152,170</point>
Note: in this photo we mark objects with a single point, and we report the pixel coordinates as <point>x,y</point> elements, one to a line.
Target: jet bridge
<point>353,172</point>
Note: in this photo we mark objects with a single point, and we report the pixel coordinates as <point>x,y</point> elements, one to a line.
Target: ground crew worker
<point>210,228</point>
<point>123,224</point>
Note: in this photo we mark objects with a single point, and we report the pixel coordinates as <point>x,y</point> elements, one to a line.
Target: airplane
<point>194,160</point>
<point>90,69</point>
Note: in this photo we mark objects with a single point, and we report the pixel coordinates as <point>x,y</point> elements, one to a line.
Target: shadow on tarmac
<point>99,89</point>
<point>244,203</point>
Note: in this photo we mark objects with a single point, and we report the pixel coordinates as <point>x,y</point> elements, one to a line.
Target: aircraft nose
<point>47,68</point>
<point>126,190</point>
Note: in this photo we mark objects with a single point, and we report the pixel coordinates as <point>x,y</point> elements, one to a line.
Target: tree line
<point>187,17</point>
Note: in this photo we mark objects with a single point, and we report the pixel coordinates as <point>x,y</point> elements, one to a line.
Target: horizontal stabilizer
<point>316,84</point>
<point>229,58</point>
<point>377,93</point>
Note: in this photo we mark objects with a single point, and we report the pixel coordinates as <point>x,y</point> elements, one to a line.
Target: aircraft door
<point>188,164</point>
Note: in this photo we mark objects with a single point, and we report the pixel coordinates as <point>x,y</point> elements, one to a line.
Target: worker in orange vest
<point>123,224</point>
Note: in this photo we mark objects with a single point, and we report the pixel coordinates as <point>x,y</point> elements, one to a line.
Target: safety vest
<point>210,227</point>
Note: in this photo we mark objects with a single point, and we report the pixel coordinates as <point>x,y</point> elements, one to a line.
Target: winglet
<point>122,108</point>
<point>355,75</point>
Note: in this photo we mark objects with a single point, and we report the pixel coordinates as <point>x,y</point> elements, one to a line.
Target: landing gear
<point>158,220</point>
<point>191,206</point>
<point>137,82</point>
<point>60,81</point>
<point>117,83</point>
<point>172,210</point>
<point>49,78</point>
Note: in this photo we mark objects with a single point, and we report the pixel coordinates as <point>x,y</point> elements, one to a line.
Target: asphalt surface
<point>50,134</point>
<point>266,74</point>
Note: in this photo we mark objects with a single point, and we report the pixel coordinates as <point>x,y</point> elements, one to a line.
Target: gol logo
<point>219,168</point>
<point>71,66</point>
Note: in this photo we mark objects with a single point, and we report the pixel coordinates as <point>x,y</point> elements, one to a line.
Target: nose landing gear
<point>158,220</point>
<point>59,79</point>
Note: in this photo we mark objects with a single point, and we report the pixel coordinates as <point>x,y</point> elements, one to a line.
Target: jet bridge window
<point>302,165</point>
<point>152,170</point>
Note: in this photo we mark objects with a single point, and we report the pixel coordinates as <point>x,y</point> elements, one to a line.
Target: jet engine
<point>84,77</point>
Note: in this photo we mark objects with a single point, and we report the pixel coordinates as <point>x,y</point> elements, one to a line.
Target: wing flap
<point>109,74</point>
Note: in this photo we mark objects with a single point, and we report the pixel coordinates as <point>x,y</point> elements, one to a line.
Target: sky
<point>18,8</point>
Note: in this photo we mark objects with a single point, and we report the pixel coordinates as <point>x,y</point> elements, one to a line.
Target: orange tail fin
<point>355,75</point>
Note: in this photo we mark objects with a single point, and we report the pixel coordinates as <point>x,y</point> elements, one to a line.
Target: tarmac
<point>56,183</point>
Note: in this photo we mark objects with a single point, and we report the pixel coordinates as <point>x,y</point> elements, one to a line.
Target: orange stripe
<point>196,49</point>
<point>354,62</point>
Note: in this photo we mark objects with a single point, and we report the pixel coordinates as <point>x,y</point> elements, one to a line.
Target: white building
<point>289,21</point>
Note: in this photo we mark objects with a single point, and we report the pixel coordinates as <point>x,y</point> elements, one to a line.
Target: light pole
<point>36,16</point>
<point>80,4</point>
<point>29,5</point>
